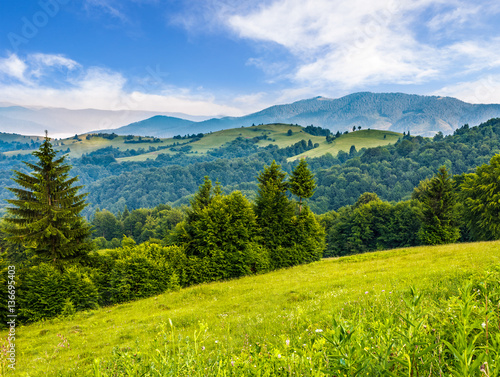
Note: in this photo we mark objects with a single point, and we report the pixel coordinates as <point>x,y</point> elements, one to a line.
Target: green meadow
<point>292,322</point>
<point>276,133</point>
<point>360,139</point>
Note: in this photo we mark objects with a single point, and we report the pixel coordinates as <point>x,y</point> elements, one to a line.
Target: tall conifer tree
<point>46,214</point>
<point>302,182</point>
<point>274,212</point>
<point>481,199</point>
<point>439,211</point>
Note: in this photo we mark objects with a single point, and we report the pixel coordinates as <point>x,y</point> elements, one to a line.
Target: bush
<point>45,292</point>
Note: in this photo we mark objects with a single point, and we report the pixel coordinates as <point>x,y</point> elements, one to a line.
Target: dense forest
<point>222,234</point>
<point>391,171</point>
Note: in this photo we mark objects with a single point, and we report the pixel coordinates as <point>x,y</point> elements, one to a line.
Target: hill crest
<point>398,112</point>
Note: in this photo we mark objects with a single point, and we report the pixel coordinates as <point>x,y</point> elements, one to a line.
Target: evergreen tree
<point>302,182</point>
<point>274,212</point>
<point>439,215</point>
<point>201,199</point>
<point>224,236</point>
<point>481,200</point>
<point>352,151</point>
<point>46,214</point>
<point>185,233</point>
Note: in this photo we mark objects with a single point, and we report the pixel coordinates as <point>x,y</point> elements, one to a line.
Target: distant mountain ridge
<point>62,122</point>
<point>399,112</point>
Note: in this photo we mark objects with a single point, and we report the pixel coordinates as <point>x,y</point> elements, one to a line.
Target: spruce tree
<point>302,182</point>
<point>481,200</point>
<point>185,233</point>
<point>274,213</point>
<point>46,214</point>
<point>439,211</point>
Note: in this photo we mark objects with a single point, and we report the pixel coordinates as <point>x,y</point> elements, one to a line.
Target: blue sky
<point>232,57</point>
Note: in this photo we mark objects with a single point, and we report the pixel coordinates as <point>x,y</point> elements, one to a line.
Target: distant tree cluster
<point>317,131</point>
<point>188,136</point>
<point>103,135</point>
<point>16,145</point>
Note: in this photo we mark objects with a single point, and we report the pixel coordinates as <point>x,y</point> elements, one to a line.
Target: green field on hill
<point>276,134</point>
<point>280,315</point>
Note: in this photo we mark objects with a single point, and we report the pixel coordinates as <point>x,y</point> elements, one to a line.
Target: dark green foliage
<point>44,290</point>
<point>274,211</point>
<point>106,225</point>
<point>186,231</point>
<point>46,214</point>
<point>317,131</point>
<point>302,182</point>
<point>391,171</point>
<point>439,211</point>
<point>289,133</point>
<point>366,198</point>
<point>481,201</point>
<point>371,225</point>
<point>225,234</point>
<point>352,150</point>
<point>308,238</point>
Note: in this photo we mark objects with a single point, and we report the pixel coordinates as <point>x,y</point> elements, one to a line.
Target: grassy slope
<point>9,138</point>
<point>277,134</point>
<point>257,308</point>
<point>360,139</point>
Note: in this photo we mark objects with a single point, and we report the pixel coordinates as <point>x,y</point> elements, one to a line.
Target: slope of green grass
<point>276,133</point>
<point>360,139</point>
<point>265,309</point>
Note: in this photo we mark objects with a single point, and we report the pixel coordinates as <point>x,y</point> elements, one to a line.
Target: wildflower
<point>279,356</point>
<point>216,341</point>
<point>232,363</point>
<point>203,348</point>
<point>383,290</point>
<point>319,330</point>
<point>287,342</point>
<point>366,292</point>
<point>483,325</point>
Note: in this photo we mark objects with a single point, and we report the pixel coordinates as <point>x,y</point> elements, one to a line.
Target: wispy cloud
<point>94,87</point>
<point>356,43</point>
<point>485,89</point>
<point>12,67</point>
<point>108,6</point>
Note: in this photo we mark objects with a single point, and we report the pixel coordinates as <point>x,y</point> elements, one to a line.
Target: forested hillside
<point>423,115</point>
<point>391,172</point>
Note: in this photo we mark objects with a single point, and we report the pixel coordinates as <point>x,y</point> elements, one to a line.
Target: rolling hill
<point>228,318</point>
<point>398,112</point>
<point>275,134</point>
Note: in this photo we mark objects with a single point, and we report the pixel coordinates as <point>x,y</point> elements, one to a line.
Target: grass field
<point>278,310</point>
<point>277,134</point>
<point>360,139</point>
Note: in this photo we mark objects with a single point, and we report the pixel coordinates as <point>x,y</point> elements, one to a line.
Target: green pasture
<point>360,139</point>
<point>271,309</point>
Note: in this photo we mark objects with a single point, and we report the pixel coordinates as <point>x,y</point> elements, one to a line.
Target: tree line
<point>221,236</point>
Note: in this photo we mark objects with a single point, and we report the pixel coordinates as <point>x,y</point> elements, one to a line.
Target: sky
<point>234,57</point>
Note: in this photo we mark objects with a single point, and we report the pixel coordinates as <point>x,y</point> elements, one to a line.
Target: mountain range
<point>399,112</point>
<point>422,115</point>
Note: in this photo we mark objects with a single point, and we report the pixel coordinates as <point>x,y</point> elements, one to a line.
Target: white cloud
<point>354,43</point>
<point>13,67</point>
<point>485,89</point>
<point>95,88</point>
<point>51,60</point>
